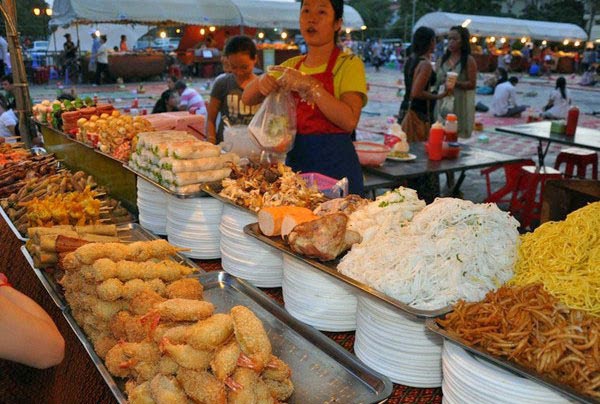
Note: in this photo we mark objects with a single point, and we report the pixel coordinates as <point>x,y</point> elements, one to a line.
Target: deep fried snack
<point>183,310</point>
<point>243,386</point>
<point>225,361</point>
<point>276,369</point>
<point>186,356</point>
<point>263,394</point>
<point>113,289</point>
<point>529,326</point>
<point>202,386</point>
<point>139,393</point>
<point>252,337</point>
<point>167,390</point>
<point>139,360</point>
<point>143,301</point>
<point>211,333</point>
<point>104,268</point>
<point>188,288</point>
<point>281,390</point>
<point>129,327</point>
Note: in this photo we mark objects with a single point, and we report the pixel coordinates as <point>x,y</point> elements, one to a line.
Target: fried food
<point>277,369</point>
<point>225,361</point>
<point>144,301</point>
<point>252,337</point>
<point>129,327</point>
<point>280,390</point>
<point>104,268</point>
<point>202,386</point>
<point>211,333</point>
<point>133,359</point>
<point>244,382</point>
<point>529,326</point>
<point>113,289</point>
<point>186,356</point>
<point>167,390</point>
<point>187,288</point>
<point>184,310</point>
<point>139,393</point>
<point>263,394</point>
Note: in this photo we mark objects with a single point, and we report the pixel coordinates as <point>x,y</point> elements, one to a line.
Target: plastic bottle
<point>436,138</point>
<point>451,128</point>
<point>572,118</point>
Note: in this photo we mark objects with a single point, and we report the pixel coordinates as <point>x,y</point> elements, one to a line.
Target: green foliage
<point>570,11</point>
<point>35,27</point>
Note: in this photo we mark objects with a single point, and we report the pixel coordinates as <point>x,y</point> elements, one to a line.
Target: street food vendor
<point>330,90</point>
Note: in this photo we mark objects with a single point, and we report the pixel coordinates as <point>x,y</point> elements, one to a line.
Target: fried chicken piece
<point>346,205</point>
<point>281,390</point>
<point>143,301</point>
<point>167,390</point>
<point>225,361</point>
<point>202,386</point>
<point>210,333</point>
<point>139,393</point>
<point>184,310</point>
<point>243,387</point>
<point>252,337</point>
<point>276,369</point>
<point>186,356</point>
<point>188,288</point>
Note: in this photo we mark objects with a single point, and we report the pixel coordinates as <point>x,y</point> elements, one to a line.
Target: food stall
<point>130,66</point>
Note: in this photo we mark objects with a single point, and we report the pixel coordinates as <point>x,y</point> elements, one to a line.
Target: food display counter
<point>130,66</point>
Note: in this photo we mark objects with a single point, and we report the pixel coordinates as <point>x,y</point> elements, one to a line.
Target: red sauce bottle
<point>436,138</point>
<point>572,118</point>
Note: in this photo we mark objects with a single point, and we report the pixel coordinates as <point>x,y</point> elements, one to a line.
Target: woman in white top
<point>558,104</point>
<point>8,121</point>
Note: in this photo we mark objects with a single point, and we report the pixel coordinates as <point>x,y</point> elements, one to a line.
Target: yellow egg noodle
<point>565,258</point>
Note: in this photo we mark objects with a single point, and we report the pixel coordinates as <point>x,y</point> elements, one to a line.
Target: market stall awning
<point>249,13</point>
<point>481,25</point>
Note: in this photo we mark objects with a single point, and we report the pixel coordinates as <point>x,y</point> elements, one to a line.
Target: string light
<point>212,28</point>
<point>284,35</point>
<point>474,39</point>
<point>202,31</point>
<point>363,27</point>
<point>261,35</point>
<point>566,42</point>
<point>544,42</point>
<point>493,39</point>
<point>348,30</point>
<point>577,43</point>
<point>503,40</point>
<point>163,34</point>
<point>178,30</point>
<point>524,39</point>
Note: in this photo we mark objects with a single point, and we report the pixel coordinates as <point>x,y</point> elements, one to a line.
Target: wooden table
<point>584,137</point>
<point>470,158</point>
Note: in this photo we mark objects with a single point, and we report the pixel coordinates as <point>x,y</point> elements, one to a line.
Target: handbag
<point>416,129</point>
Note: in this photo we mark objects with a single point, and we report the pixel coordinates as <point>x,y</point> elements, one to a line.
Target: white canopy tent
<point>249,13</point>
<point>112,31</point>
<point>480,25</point>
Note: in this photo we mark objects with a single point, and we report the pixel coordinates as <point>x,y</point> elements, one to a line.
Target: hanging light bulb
<point>202,31</point>
<point>524,39</point>
<point>503,40</point>
<point>577,43</point>
<point>178,31</point>
<point>49,12</point>
<point>566,42</point>
<point>212,28</point>
<point>474,39</point>
<point>261,35</point>
<point>348,30</point>
<point>284,35</point>
<point>493,39</point>
<point>36,11</point>
<point>544,42</point>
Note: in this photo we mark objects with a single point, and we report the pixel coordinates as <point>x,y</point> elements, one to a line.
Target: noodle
<point>565,258</point>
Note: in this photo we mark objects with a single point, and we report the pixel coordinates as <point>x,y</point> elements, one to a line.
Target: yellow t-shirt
<point>348,74</point>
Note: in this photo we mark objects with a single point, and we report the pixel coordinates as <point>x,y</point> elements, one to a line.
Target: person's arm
<point>214,106</point>
<point>27,333</point>
<point>257,90</point>
<point>343,112</point>
<point>471,81</point>
<point>420,82</point>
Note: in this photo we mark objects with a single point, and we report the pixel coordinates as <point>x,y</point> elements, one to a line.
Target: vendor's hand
<point>267,84</point>
<point>307,87</point>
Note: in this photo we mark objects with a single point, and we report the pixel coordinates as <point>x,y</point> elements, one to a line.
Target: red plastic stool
<point>175,70</point>
<point>580,158</point>
<point>525,202</point>
<point>512,173</point>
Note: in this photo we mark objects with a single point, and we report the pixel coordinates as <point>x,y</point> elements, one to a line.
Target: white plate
<point>409,158</point>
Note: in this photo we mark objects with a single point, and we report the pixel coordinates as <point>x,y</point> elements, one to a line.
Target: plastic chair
<point>525,203</point>
<point>512,173</point>
<point>577,158</point>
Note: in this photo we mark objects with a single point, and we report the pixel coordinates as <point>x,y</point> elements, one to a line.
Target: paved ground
<point>385,94</point>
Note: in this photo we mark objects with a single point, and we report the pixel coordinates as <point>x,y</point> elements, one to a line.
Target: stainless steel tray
<point>128,232</point>
<point>331,269</point>
<point>215,194</point>
<point>513,367</point>
<point>200,194</point>
<point>11,225</point>
<point>322,371</point>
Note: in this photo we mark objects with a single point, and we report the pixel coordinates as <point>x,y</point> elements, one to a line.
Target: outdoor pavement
<point>385,95</point>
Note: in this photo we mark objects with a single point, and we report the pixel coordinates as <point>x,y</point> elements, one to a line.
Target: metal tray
<point>212,191</point>
<point>330,268</point>
<point>513,367</point>
<point>200,194</point>
<point>129,232</point>
<point>12,226</point>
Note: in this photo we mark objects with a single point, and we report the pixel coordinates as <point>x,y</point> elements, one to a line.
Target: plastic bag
<point>273,127</point>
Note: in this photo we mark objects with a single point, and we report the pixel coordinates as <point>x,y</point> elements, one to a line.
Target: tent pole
<point>8,11</point>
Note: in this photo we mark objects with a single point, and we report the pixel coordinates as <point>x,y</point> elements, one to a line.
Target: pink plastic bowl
<point>371,154</point>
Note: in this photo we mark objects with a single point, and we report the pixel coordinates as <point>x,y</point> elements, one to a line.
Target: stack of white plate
<point>194,223</point>
<point>468,379</point>
<point>244,256</point>
<point>316,298</point>
<point>152,207</point>
<point>397,345</point>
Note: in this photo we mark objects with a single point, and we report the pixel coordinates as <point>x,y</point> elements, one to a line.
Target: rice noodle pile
<point>394,206</point>
<point>452,249</point>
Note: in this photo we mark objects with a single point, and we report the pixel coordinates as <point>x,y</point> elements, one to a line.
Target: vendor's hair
<point>561,84</point>
<point>465,46</point>
<point>240,44</point>
<point>421,40</point>
<point>338,12</point>
<point>180,85</point>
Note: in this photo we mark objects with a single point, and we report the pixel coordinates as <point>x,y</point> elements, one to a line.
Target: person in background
<point>8,121</point>
<point>102,60</point>
<point>458,59</point>
<point>330,90</point>
<point>9,91</point>
<point>123,45</point>
<point>227,90</point>
<point>588,59</point>
<point>558,103</point>
<point>3,55</point>
<point>94,55</point>
<point>504,103</point>
<point>588,78</point>
<point>189,99</point>
<point>27,333</point>
<point>377,54</point>
<point>164,103</point>
<point>70,56</point>
<point>534,69</point>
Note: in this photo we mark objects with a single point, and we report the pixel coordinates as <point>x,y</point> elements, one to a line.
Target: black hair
<point>240,44</point>
<point>3,103</point>
<point>8,78</point>
<point>513,80</point>
<point>123,37</point>
<point>104,38</point>
<point>561,84</point>
<point>65,96</point>
<point>180,85</point>
<point>465,46</point>
<point>421,40</point>
<point>338,13</point>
